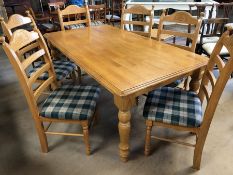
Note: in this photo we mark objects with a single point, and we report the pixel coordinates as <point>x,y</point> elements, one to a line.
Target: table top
<point>124,62</point>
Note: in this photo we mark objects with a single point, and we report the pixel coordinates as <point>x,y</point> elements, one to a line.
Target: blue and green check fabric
<point>173,106</point>
<point>62,69</point>
<point>71,102</point>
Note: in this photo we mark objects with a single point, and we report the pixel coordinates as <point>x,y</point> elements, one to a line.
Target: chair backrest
<point>128,15</point>
<point>217,83</point>
<point>181,18</point>
<point>213,27</point>
<point>54,6</point>
<point>15,21</point>
<point>98,12</point>
<point>114,7</point>
<point>198,9</point>
<point>73,15</point>
<point>227,9</point>
<point>21,42</point>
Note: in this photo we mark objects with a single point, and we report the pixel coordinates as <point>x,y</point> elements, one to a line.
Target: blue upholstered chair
<point>66,104</point>
<point>182,110</point>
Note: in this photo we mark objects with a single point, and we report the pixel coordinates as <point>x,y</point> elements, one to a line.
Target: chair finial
<point>27,12</point>
<point>2,39</point>
<point>1,19</point>
<point>202,14</point>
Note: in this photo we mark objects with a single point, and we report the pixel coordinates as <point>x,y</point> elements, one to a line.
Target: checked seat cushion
<point>173,106</point>
<point>71,102</point>
<point>62,69</point>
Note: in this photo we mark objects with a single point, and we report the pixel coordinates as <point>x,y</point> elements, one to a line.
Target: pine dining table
<point>127,65</point>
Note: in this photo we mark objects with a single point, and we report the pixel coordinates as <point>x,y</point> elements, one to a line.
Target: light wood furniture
<point>143,12</point>
<point>183,18</point>
<point>19,21</point>
<point>14,21</point>
<point>128,65</point>
<point>24,41</point>
<point>212,98</point>
<point>73,13</point>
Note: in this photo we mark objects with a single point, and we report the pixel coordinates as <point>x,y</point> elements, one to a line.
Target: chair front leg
<point>86,137</point>
<point>149,125</point>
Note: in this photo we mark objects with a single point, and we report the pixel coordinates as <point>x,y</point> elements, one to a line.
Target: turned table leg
<point>195,81</point>
<point>124,131</point>
<point>124,105</point>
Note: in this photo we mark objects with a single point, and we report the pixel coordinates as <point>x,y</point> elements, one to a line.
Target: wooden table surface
<point>126,64</point>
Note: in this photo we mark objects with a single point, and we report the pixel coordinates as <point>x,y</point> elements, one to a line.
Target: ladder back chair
<point>15,21</point>
<point>66,104</point>
<point>181,18</point>
<point>63,68</point>
<point>44,23</point>
<point>97,14</point>
<point>72,17</point>
<point>182,110</point>
<point>129,23</point>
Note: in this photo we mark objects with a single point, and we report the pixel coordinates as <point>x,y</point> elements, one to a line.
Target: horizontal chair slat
<point>136,23</point>
<point>38,73</point>
<point>28,48</point>
<point>42,87</point>
<point>33,58</point>
<point>75,22</point>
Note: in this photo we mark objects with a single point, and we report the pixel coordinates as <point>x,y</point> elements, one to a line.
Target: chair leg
<point>149,125</point>
<point>198,151</point>
<point>86,137</point>
<point>42,136</point>
<point>73,76</point>
<point>79,75</point>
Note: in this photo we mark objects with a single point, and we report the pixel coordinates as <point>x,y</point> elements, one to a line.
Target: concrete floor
<point>20,150</point>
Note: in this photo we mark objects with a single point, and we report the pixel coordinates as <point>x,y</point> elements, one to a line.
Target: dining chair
<point>71,104</point>
<point>180,18</point>
<point>114,10</point>
<point>138,22</point>
<point>44,23</point>
<point>182,110</point>
<point>97,14</point>
<point>212,30</point>
<point>63,68</point>
<point>74,17</point>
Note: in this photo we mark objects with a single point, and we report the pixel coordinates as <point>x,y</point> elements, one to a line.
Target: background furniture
<point>97,14</point>
<point>128,67</point>
<point>71,17</point>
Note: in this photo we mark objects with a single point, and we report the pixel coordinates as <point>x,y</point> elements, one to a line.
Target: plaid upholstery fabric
<point>75,26</point>
<point>71,102</point>
<point>97,23</point>
<point>173,106</point>
<point>62,69</point>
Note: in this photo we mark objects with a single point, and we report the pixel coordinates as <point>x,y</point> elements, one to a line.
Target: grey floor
<point>20,150</point>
